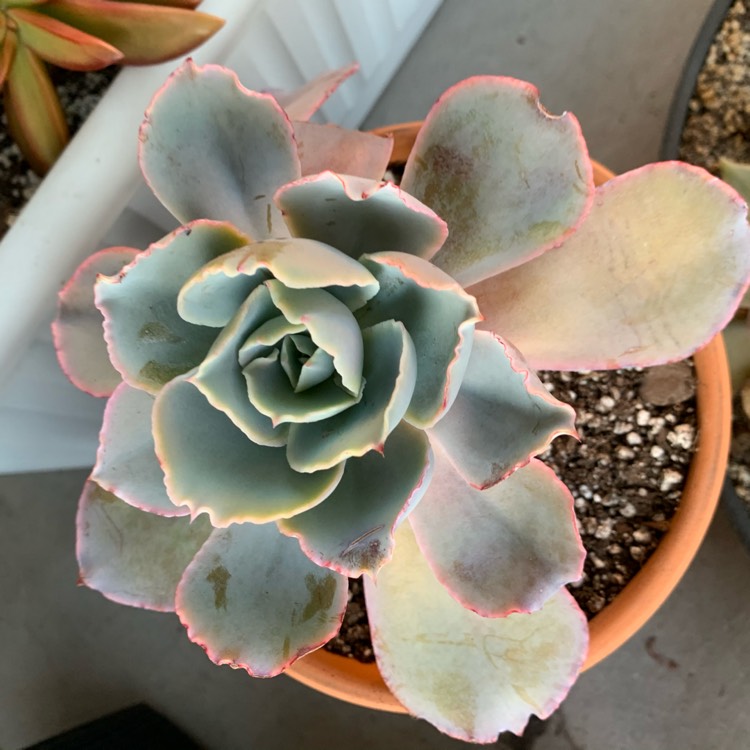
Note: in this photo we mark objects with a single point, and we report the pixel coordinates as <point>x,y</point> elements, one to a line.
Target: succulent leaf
<point>211,296</point>
<point>144,33</point>
<point>60,44</point>
<point>126,463</point>
<point>352,152</point>
<point>502,416</point>
<point>358,216</point>
<point>190,4</point>
<point>510,547</point>
<point>7,49</point>
<point>35,118</point>
<point>130,556</point>
<point>611,297</point>
<point>210,466</point>
<point>219,376</point>
<point>510,180</point>
<point>470,676</point>
<point>389,372</point>
<point>737,342</point>
<point>737,175</point>
<point>272,393</point>
<point>78,329</point>
<point>331,326</point>
<point>305,101</point>
<point>211,149</point>
<point>352,531</point>
<point>440,319</point>
<point>253,600</point>
<point>148,342</point>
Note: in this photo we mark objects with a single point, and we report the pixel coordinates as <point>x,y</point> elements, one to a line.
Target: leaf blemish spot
<point>219,578</point>
<point>321,595</point>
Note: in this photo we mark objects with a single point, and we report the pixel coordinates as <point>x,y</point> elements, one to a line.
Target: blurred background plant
<point>81,35</point>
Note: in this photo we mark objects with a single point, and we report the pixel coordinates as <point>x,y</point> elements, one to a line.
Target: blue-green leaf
<point>149,343</point>
<point>352,531</point>
<point>212,149</point>
<point>211,466</point>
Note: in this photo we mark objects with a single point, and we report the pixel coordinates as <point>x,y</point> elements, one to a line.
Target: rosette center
<point>305,364</point>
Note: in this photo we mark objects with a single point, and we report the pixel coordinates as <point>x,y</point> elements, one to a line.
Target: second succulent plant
<point>81,35</point>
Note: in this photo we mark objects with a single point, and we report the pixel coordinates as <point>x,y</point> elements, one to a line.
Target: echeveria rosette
<point>301,377</point>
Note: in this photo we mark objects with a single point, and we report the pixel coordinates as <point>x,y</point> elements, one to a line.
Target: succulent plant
<point>81,35</point>
<point>736,174</point>
<point>300,389</point>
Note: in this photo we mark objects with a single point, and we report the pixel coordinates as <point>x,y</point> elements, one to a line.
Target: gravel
<point>718,118</point>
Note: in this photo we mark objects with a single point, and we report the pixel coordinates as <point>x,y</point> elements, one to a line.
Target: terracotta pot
<point>362,684</point>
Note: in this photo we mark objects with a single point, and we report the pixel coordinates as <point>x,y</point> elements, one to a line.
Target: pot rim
<point>361,684</point>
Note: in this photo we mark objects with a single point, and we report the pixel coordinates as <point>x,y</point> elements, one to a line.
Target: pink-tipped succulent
<point>81,35</point>
<point>299,394</point>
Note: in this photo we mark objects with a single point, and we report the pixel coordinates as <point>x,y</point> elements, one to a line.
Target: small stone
<point>682,436</point>
<point>668,384</point>
<point>642,418</point>
<point>657,452</point>
<point>604,529</point>
<point>669,479</point>
<point>637,553</point>
<point>585,491</point>
<point>628,510</point>
<point>633,438</point>
<point>597,562</point>
<point>642,536</point>
<point>624,453</point>
<point>606,404</point>
<point>614,549</point>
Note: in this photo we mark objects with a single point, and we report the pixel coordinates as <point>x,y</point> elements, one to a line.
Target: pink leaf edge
<point>546,710</point>
<point>518,365</point>
<point>57,334</point>
<point>358,189</point>
<point>83,574</point>
<point>214,656</point>
<point>500,613</point>
<point>313,95</point>
<point>191,69</point>
<point>159,245</point>
<point>532,93</point>
<point>411,502</point>
<point>733,197</point>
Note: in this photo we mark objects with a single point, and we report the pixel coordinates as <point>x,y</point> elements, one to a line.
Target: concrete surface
<point>67,655</point>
